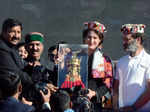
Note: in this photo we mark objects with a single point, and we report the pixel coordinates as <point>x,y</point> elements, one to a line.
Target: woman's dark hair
<point>139,35</point>
<point>9,23</point>
<point>85,33</point>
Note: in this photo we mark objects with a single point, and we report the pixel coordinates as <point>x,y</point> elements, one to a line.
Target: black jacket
<point>10,60</point>
<point>9,57</point>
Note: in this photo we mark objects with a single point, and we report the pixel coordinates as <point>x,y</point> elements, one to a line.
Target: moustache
<point>15,38</point>
<point>33,50</point>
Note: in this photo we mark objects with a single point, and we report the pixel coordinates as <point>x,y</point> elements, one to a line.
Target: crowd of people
<point>27,85</point>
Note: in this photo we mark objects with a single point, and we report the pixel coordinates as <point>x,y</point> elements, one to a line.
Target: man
<point>34,44</point>
<point>9,38</point>
<point>10,87</point>
<point>60,102</point>
<point>53,52</point>
<point>54,58</point>
<point>39,74</point>
<point>132,81</point>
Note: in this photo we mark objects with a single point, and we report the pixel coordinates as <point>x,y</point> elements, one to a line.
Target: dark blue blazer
<point>13,105</point>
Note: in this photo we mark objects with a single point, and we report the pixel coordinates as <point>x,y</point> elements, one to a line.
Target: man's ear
<point>139,40</point>
<point>71,104</point>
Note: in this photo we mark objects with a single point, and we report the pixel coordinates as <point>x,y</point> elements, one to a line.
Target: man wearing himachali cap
<point>132,80</point>
<point>35,46</point>
<point>36,70</point>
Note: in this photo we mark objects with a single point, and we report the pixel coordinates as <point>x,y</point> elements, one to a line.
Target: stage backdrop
<point>63,19</point>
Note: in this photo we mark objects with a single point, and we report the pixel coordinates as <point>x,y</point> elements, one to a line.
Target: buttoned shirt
<point>133,73</point>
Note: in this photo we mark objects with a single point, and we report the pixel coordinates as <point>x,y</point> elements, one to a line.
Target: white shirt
<point>132,73</point>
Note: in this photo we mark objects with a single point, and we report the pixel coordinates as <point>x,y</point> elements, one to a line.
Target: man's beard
<point>131,47</point>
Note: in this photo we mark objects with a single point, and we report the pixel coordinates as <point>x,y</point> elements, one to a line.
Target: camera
<point>82,104</point>
<point>40,77</point>
<point>80,101</point>
<point>41,86</point>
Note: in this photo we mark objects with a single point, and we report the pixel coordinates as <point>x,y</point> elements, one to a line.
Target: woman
<point>99,66</point>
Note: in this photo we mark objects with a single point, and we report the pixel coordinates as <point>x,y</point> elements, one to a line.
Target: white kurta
<point>132,73</point>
